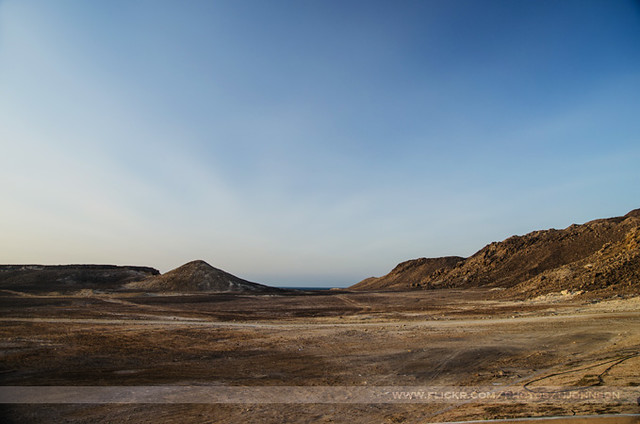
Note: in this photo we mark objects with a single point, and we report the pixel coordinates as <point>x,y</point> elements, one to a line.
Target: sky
<point>308,142</point>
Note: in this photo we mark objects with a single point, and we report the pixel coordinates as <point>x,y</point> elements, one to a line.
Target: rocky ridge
<point>600,255</point>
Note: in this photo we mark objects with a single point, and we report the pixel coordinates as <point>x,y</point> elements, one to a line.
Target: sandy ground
<point>324,340</point>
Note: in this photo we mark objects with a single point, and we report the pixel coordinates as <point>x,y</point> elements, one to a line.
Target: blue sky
<point>310,142</point>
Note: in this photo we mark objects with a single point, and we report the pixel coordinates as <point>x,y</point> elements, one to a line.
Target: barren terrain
<point>330,339</point>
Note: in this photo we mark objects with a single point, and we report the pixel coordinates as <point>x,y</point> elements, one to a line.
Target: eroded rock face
<point>599,255</point>
<point>66,278</point>
<point>613,269</point>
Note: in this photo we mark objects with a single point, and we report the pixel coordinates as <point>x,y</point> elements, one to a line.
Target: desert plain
<point>332,340</point>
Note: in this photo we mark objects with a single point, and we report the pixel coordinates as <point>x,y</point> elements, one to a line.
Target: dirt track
<point>412,339</point>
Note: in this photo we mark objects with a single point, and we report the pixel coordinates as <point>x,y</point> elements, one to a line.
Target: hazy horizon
<point>302,143</point>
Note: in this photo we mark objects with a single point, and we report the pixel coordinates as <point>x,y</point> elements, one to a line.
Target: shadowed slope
<point>410,274</point>
<point>65,278</point>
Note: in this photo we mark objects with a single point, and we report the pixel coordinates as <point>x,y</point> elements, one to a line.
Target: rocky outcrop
<point>598,255</point>
<point>613,269</point>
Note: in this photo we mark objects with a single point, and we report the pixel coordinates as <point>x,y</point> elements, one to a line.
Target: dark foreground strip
<point>452,395</point>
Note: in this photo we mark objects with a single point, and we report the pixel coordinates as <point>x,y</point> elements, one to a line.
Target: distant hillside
<point>600,255</point>
<point>65,278</point>
<point>198,276</point>
<point>410,274</point>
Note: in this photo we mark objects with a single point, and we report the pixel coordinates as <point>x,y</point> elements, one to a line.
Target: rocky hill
<point>410,274</point>
<point>198,276</point>
<point>599,255</point>
<point>65,278</point>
